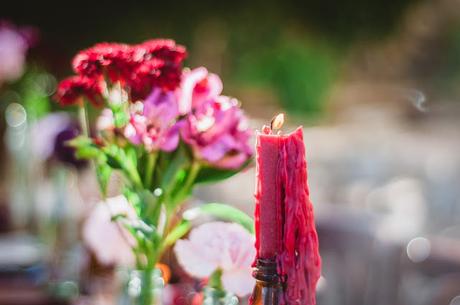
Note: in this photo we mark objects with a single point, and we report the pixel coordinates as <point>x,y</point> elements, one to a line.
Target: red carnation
<point>154,63</point>
<point>114,59</point>
<point>158,65</point>
<point>71,89</point>
<point>165,49</point>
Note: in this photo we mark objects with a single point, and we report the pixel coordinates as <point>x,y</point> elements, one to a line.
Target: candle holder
<point>268,289</point>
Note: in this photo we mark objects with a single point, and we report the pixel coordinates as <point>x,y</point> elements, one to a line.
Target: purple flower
<point>49,138</point>
<point>198,86</point>
<point>156,127</point>
<point>218,133</point>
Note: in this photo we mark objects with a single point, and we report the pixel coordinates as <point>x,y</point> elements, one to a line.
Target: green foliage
<point>447,77</point>
<point>300,74</point>
<point>171,173</point>
<point>209,174</point>
<point>222,211</point>
<point>156,182</point>
<point>103,173</point>
<point>178,232</point>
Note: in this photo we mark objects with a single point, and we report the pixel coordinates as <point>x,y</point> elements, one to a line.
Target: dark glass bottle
<point>268,289</point>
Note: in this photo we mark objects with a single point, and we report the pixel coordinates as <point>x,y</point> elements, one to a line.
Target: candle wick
<point>277,122</point>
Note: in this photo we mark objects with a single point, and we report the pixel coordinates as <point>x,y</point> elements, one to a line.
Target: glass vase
<point>212,296</point>
<point>142,287</point>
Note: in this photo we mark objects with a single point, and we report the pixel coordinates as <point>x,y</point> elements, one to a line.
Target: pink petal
<point>238,281</point>
<point>190,257</point>
<point>190,79</point>
<point>232,161</point>
<point>110,242</point>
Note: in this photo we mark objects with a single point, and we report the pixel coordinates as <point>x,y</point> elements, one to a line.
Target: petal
<point>234,161</point>
<point>170,141</point>
<point>192,259</point>
<point>189,81</point>
<point>116,248</point>
<point>215,85</point>
<point>213,152</point>
<point>238,281</point>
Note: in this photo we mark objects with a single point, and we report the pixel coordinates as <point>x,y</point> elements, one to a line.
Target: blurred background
<point>374,83</point>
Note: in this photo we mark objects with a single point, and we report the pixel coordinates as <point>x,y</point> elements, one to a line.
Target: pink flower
<point>218,133</point>
<point>109,241</point>
<point>219,245</point>
<point>197,87</point>
<point>156,127</point>
<point>13,48</point>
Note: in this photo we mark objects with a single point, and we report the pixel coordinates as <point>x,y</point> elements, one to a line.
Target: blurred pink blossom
<point>215,245</point>
<point>156,127</point>
<point>219,133</point>
<point>14,43</point>
<point>197,87</point>
<point>106,121</point>
<point>108,240</point>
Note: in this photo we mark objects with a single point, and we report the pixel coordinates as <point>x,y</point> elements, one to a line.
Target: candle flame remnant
<point>277,122</point>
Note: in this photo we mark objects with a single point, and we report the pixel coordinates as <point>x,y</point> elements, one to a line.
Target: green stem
<point>83,117</point>
<point>150,167</point>
<point>135,178</point>
<point>185,188</point>
<point>188,184</point>
<point>147,287</point>
<point>215,280</point>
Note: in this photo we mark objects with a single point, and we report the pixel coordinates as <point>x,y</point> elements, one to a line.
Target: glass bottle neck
<point>268,289</point>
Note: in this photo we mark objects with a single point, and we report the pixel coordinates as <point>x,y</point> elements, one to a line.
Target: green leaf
<point>80,141</point>
<point>121,118</point>
<point>151,207</point>
<point>113,161</point>
<point>179,231</point>
<point>211,174</point>
<point>85,148</point>
<point>173,170</point>
<point>88,152</point>
<point>222,211</point>
<point>104,173</point>
<point>215,281</point>
<point>134,199</point>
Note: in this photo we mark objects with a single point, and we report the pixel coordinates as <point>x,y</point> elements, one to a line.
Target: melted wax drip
<point>297,253</point>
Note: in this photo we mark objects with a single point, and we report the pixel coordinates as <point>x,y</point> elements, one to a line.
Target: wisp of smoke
<point>417,98</point>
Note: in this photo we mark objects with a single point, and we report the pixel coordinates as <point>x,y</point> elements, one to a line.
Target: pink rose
<point>219,245</point>
<point>197,87</point>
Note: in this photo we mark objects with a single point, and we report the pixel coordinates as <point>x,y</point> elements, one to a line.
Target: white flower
<point>106,121</point>
<point>109,241</point>
<point>219,245</point>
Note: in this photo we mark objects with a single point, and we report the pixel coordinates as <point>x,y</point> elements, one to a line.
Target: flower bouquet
<point>163,129</point>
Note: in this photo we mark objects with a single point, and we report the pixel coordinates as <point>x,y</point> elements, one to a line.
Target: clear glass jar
<point>214,296</point>
<point>142,287</point>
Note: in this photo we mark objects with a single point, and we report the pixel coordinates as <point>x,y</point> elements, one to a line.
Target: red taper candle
<point>284,220</point>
